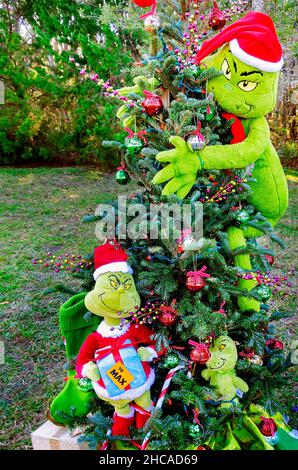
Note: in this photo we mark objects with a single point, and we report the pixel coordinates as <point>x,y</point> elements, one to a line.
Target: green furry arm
<point>238,155</point>
<point>240,384</point>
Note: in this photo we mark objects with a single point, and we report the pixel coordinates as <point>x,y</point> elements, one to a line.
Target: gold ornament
<point>257,360</point>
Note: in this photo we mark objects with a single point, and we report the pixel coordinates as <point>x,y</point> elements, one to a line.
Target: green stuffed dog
<point>221,374</point>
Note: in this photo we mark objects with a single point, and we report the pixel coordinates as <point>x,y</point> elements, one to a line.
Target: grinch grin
<point>219,367</point>
<point>100,297</point>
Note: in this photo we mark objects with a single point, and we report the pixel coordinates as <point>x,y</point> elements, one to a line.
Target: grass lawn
<point>41,211</point>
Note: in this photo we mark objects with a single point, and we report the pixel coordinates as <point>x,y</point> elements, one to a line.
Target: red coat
<point>106,339</point>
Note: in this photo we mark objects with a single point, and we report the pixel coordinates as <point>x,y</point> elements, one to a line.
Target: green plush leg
<point>145,400</point>
<point>251,232</point>
<point>74,328</point>
<point>236,240</point>
<point>122,409</point>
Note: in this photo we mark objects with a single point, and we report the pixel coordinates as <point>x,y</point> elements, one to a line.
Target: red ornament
<point>195,280</point>
<point>248,353</point>
<point>168,315</point>
<point>267,426</point>
<point>144,3</point>
<point>270,259</point>
<point>274,344</point>
<point>153,104</point>
<point>217,18</point>
<point>195,284</point>
<point>200,353</point>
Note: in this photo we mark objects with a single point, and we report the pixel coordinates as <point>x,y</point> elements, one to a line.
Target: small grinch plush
<point>116,356</point>
<point>221,372</point>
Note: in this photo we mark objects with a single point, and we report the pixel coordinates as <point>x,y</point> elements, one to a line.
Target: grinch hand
<point>116,356</point>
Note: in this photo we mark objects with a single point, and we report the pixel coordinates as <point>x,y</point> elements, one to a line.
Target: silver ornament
<point>152,23</point>
<point>196,142</point>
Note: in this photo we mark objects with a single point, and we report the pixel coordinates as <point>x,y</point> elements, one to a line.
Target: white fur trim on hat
<point>254,61</point>
<point>119,266</point>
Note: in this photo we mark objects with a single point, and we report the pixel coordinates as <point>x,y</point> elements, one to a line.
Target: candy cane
<point>160,401</point>
<point>158,406</point>
<point>105,444</point>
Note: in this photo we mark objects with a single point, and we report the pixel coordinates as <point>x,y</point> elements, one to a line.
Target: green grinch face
<point>114,295</point>
<point>241,89</point>
<point>223,355</point>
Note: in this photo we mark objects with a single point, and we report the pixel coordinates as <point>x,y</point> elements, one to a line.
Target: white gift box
<point>51,437</point>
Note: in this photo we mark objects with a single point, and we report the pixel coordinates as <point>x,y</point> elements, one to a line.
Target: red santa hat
<point>252,39</point>
<point>110,257</point>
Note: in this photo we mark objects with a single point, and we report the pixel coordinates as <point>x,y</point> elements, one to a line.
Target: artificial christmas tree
<point>201,296</point>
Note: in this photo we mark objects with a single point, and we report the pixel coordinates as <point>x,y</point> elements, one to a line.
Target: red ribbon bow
<point>221,308</point>
<point>140,134</point>
<point>198,131</point>
<point>193,343</point>
<point>195,417</point>
<point>119,344</point>
<point>151,12</point>
<point>197,274</point>
<point>150,94</point>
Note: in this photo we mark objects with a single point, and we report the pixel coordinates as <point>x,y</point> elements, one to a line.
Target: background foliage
<point>51,113</point>
<point>49,110</point>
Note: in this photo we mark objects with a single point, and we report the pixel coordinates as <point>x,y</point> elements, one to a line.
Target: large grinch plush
<point>116,356</point>
<point>221,374</point>
<point>249,56</point>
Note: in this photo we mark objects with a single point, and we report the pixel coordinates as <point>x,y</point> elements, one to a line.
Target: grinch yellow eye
<point>114,283</point>
<point>245,85</point>
<point>127,286</point>
<point>226,69</point>
<point>221,347</point>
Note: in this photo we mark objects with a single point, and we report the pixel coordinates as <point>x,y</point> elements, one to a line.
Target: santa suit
<point>111,344</point>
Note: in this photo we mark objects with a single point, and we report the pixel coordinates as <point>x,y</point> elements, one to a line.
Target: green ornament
<point>263,292</point>
<point>195,71</point>
<point>210,113</point>
<point>242,216</point>
<point>171,361</point>
<point>133,145</point>
<point>122,176</point>
<point>85,385</point>
<point>194,430</point>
